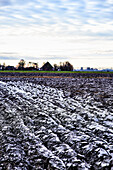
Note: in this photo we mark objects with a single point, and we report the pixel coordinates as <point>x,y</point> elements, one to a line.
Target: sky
<point>78,31</point>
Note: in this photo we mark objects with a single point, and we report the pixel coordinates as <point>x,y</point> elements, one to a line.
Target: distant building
<point>30,69</point>
<point>47,67</point>
<point>107,69</point>
<point>10,68</point>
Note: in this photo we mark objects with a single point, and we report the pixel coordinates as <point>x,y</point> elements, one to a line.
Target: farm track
<point>53,77</point>
<point>62,123</point>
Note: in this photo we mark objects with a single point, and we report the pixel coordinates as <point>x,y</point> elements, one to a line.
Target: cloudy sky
<point>79,31</point>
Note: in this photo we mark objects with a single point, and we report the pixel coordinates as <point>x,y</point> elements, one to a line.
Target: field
<point>91,72</point>
<point>56,121</point>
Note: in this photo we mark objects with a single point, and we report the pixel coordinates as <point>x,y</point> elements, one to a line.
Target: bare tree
<point>21,64</point>
<point>66,66</point>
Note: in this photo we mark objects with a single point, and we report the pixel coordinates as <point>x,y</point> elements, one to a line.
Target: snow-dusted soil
<point>51,124</point>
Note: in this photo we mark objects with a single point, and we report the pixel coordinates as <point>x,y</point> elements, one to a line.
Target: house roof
<point>47,66</point>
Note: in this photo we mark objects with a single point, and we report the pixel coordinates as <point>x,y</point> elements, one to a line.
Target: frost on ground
<point>52,124</point>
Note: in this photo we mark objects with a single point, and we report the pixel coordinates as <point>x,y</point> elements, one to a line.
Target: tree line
<point>63,66</point>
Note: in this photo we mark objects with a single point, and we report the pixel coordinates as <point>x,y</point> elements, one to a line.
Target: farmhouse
<point>47,67</point>
<point>10,68</point>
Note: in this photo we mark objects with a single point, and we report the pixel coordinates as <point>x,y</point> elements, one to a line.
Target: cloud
<point>5,2</point>
<point>56,28</point>
<point>65,17</point>
<point>8,58</point>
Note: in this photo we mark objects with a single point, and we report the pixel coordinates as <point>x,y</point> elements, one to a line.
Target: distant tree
<point>61,66</point>
<point>30,64</point>
<point>21,64</point>
<point>3,67</point>
<point>35,65</point>
<point>66,66</point>
<point>43,63</point>
<point>55,67</point>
